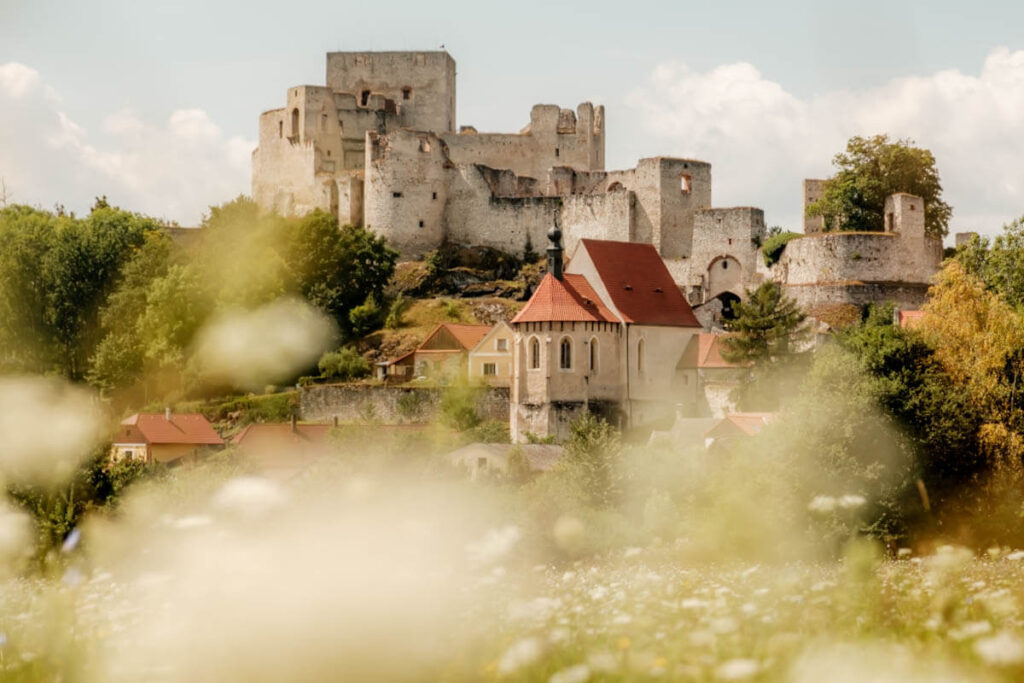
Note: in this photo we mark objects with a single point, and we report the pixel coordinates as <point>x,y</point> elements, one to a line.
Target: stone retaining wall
<point>390,405</point>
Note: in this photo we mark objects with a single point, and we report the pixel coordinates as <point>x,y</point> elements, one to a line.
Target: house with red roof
<point>711,377</point>
<point>445,352</point>
<point>283,449</point>
<point>604,334</point>
<point>163,437</point>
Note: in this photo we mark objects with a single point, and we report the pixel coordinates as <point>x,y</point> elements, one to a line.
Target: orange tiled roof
<point>911,319</point>
<point>704,351</point>
<point>748,423</point>
<point>260,435</point>
<point>570,299</point>
<point>639,284</point>
<point>154,428</point>
<point>467,335</point>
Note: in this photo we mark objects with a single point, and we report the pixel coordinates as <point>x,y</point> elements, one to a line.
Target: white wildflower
<point>574,674</point>
<point>1002,649</point>
<point>1016,555</point>
<point>603,662</point>
<point>737,669</point>
<point>632,552</point>
<point>822,505</point>
<point>904,552</point>
<point>520,654</point>
<point>250,496</point>
<point>495,544</point>
<point>852,501</point>
<point>971,629</point>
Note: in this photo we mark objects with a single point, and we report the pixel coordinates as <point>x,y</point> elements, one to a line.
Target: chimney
<point>294,424</point>
<point>555,251</point>
<point>167,413</point>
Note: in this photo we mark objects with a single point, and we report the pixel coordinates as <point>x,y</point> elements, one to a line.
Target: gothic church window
<point>593,355</point>
<point>565,354</point>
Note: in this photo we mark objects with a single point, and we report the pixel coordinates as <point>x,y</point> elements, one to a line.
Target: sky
<point>155,104</point>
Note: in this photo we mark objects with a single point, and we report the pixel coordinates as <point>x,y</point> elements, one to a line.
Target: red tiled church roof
<point>704,351</point>
<point>639,284</point>
<point>570,299</point>
<point>155,428</point>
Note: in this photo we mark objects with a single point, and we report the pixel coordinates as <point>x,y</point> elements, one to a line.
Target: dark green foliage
<point>343,365</point>
<point>763,335</point>
<point>55,274</point>
<point>336,269</point>
<point>1000,263</point>
<point>395,311</point>
<point>491,431</point>
<point>245,409</point>
<point>458,406</point>
<point>870,170</point>
<point>592,460</point>
<point>365,318</point>
<point>771,250</point>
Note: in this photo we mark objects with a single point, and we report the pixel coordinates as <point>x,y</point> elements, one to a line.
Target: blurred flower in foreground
<point>250,349</point>
<point>1002,649</point>
<point>47,428</point>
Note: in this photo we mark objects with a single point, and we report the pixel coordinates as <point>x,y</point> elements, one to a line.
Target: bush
<point>410,405</point>
<point>492,431</point>
<point>773,247</point>
<point>343,365</point>
<point>458,407</point>
<point>395,311</point>
<point>592,459</point>
<point>365,318</point>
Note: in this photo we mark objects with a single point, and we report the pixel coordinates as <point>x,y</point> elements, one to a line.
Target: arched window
<point>565,354</point>
<point>534,354</point>
<point>280,129</point>
<point>593,354</point>
<point>295,123</point>
<point>640,355</point>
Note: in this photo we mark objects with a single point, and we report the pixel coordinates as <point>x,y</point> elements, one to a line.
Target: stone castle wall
<point>352,403</point>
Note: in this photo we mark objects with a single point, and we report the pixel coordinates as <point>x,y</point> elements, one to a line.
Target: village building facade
<point>163,437</point>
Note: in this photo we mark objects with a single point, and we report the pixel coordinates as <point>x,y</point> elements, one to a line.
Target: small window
<point>433,195</point>
<point>534,354</point>
<point>129,454</point>
<point>502,344</point>
<point>593,355</point>
<point>725,265</point>
<point>640,347</point>
<point>684,183</point>
<point>406,93</point>
<point>365,97</point>
<point>490,369</point>
<point>421,224</point>
<point>424,145</point>
<point>323,122</point>
<point>565,354</point>
<point>280,129</point>
<point>396,195</point>
<point>557,152</point>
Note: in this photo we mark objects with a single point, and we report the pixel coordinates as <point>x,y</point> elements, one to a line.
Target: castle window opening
<point>323,121</point>
<point>640,356</point>
<point>725,265</point>
<point>433,195</point>
<point>421,224</point>
<point>557,152</point>
<point>490,369</point>
<point>684,183</point>
<point>534,354</point>
<point>295,122</point>
<point>365,97</point>
<point>406,93</point>
<point>396,195</point>
<point>565,354</point>
<point>730,241</point>
<point>593,355</point>
<point>280,129</point>
<point>424,145</point>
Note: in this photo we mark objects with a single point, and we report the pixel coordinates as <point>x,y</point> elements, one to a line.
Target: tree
<point>762,334</point>
<point>999,264</point>
<point>591,460</point>
<point>337,269</point>
<point>870,170</point>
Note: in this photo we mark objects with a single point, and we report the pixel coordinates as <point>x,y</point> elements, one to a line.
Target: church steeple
<point>555,251</point>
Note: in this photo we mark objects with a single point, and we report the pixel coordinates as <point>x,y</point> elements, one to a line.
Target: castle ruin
<point>378,146</point>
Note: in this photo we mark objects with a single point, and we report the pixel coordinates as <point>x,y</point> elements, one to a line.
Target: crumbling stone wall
<point>353,402</point>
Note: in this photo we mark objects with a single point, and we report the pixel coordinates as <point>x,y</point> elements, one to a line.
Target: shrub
<point>365,318</point>
<point>773,247</point>
<point>451,310</point>
<point>395,311</point>
<point>458,407</point>
<point>344,365</point>
<point>491,431</point>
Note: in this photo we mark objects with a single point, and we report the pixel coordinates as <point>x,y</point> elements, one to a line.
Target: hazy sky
<point>155,103</point>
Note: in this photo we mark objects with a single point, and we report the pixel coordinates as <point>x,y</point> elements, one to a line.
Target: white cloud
<point>763,140</point>
<point>174,170</point>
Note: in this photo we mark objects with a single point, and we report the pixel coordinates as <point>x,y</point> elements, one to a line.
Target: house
<point>908,320</point>
<point>283,449</point>
<point>708,379</point>
<point>479,458</point>
<point>163,437</point>
<point>736,425</point>
<point>490,361</point>
<point>444,353</point>
<point>606,336</point>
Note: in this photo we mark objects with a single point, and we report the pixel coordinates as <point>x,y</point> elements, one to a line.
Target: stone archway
<point>725,274</point>
<point>728,299</point>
